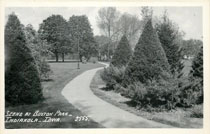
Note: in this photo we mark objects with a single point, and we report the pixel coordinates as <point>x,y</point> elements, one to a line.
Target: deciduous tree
<point>54,30</point>
<point>107,22</point>
<point>130,25</point>
<point>82,37</point>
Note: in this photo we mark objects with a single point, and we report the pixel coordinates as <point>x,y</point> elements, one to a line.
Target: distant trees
<point>149,61</point>
<point>168,34</point>
<point>146,13</point>
<point>81,34</point>
<point>129,25</point>
<point>102,42</point>
<point>107,20</point>
<point>54,30</point>
<point>122,54</point>
<point>22,82</point>
<point>65,37</point>
<point>191,47</point>
<point>114,25</point>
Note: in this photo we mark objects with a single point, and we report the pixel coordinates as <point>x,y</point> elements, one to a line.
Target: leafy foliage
<point>81,32</point>
<point>197,111</point>
<point>39,50</point>
<point>112,76</point>
<point>93,60</point>
<point>102,42</point>
<point>147,77</point>
<point>197,65</point>
<point>191,93</point>
<point>154,96</point>
<point>122,53</point>
<point>149,61</point>
<point>54,30</point>
<point>191,47</point>
<point>22,82</point>
<point>192,88</point>
<point>196,75</point>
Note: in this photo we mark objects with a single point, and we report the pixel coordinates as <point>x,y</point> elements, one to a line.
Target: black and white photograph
<point>103,67</point>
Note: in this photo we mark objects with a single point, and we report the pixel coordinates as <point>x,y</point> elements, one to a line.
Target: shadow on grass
<point>106,88</point>
<point>68,61</point>
<point>130,103</point>
<point>54,101</point>
<point>47,80</point>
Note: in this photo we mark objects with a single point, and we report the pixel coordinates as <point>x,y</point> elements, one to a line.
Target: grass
<point>177,118</point>
<point>62,74</point>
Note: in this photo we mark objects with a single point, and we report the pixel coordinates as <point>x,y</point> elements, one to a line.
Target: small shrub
<point>156,96</point>
<point>112,76</point>
<point>191,93</point>
<point>93,60</point>
<point>197,111</point>
<point>137,92</point>
<point>44,69</point>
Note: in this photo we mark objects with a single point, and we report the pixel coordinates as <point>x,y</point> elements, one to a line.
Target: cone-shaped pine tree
<point>22,82</point>
<point>168,34</point>
<point>149,61</point>
<point>122,53</point>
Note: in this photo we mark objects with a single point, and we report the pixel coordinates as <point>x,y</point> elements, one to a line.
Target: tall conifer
<point>149,61</point>
<point>122,53</point>
<point>22,82</point>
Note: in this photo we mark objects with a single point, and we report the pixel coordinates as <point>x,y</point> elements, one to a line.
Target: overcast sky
<point>189,19</point>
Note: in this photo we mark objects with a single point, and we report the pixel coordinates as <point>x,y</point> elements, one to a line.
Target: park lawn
<point>177,118</point>
<point>53,100</point>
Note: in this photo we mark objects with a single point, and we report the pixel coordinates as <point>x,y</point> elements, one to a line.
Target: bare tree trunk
<point>56,56</point>
<point>63,57</point>
<point>109,41</point>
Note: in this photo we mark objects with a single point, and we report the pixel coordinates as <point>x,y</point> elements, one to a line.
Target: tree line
<point>114,24</point>
<point>72,36</point>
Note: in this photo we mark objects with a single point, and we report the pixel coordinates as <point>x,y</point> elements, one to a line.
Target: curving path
<point>78,93</point>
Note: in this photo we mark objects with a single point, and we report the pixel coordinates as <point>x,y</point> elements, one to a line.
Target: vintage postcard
<point>83,67</point>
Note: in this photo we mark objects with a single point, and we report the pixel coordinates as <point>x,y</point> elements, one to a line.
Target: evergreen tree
<point>22,82</point>
<point>197,65</point>
<point>149,61</point>
<point>168,35</point>
<point>122,53</point>
<point>192,91</point>
<point>196,75</point>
